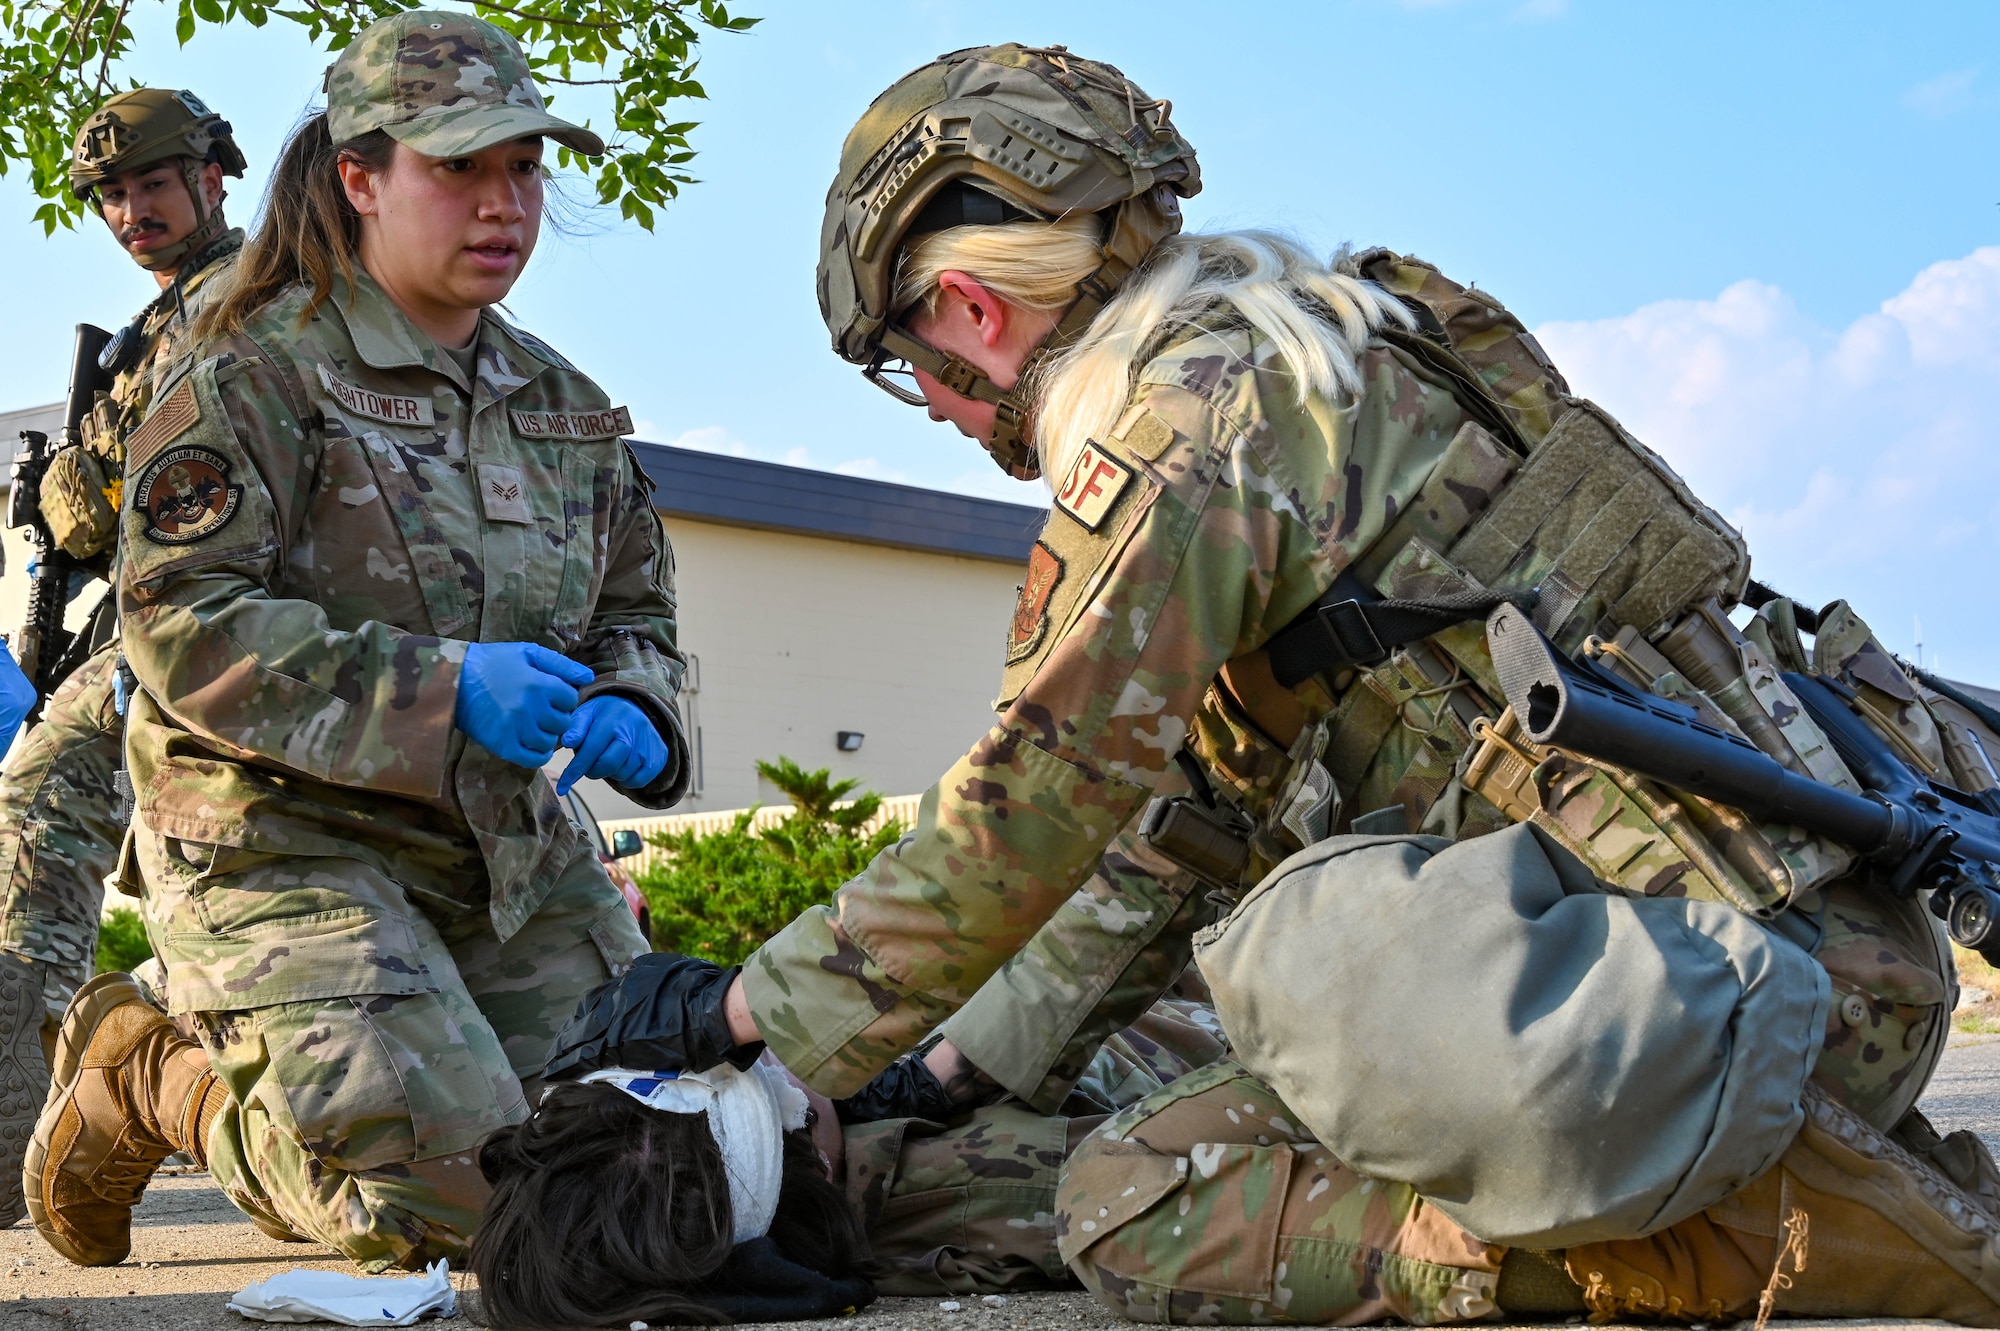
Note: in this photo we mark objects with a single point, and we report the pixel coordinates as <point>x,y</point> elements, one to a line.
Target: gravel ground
<point>191,1250</point>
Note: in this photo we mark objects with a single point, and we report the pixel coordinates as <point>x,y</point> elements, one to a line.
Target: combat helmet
<point>987,135</point>
<point>149,125</point>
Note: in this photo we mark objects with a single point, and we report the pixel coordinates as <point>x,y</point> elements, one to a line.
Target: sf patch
<point>1031,610</point>
<point>185,495</point>
<point>1093,485</point>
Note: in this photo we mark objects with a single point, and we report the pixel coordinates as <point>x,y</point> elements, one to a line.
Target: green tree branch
<point>58,61</point>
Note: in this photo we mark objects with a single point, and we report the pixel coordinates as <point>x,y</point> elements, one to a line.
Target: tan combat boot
<point>1848,1223</point>
<point>24,1074</point>
<point>128,1091</point>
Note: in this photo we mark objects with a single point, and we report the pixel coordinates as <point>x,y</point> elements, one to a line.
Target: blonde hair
<point>1316,318</point>
<point>1034,265</point>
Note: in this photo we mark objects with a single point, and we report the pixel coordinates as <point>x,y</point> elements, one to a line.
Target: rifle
<point>43,647</point>
<point>1918,834</point>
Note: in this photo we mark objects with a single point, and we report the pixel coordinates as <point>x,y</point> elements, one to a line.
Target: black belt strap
<point>1350,626</point>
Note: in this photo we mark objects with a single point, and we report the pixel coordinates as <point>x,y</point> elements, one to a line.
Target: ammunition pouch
<point>77,504</point>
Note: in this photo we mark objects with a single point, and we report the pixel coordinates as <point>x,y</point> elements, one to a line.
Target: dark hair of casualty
<point>606,1212</point>
<point>308,232</point>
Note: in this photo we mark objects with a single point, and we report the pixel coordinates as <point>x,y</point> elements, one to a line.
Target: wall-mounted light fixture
<point>848,741</point>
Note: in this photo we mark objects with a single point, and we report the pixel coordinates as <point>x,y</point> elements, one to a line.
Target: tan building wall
<point>799,637</point>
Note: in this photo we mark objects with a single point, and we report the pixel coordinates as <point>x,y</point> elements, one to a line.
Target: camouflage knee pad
<point>1893,987</point>
<point>1209,1202</point>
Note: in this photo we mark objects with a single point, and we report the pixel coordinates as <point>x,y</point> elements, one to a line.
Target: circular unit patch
<point>185,495</point>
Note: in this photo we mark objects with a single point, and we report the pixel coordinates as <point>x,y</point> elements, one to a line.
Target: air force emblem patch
<point>1031,608</point>
<point>185,495</point>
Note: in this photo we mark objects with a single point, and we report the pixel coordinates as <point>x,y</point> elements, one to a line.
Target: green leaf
<point>60,58</point>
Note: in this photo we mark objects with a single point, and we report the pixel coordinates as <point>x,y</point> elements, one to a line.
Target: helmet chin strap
<point>1007,443</point>
<point>1137,226</point>
<point>208,224</point>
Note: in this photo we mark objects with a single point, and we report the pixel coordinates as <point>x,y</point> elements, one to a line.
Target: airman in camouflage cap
<point>375,956</point>
<point>443,83</point>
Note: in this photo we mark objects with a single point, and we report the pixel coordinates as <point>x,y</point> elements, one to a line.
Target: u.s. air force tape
<point>610,423</point>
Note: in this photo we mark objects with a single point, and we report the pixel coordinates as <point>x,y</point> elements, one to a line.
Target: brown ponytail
<point>309,232</point>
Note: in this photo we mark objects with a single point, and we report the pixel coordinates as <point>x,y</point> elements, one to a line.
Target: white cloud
<point>1945,95</point>
<point>1862,463</point>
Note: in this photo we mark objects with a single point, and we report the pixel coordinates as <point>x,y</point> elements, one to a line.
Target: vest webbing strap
<point>1349,625</point>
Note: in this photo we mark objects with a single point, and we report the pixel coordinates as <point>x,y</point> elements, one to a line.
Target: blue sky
<point>1753,231</point>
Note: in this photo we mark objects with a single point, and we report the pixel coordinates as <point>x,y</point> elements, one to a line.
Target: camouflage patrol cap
<point>445,84</point>
<point>149,125</point>
<point>1047,134</point>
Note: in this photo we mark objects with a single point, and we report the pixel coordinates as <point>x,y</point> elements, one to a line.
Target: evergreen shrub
<point>718,895</point>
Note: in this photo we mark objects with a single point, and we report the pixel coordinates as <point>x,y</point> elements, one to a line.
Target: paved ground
<point>191,1250</point>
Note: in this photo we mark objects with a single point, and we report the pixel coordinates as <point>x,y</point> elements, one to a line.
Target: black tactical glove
<point>758,1283</point>
<point>663,1015</point>
<point>906,1088</point>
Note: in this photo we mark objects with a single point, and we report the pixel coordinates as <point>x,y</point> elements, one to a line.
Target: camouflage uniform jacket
<point>1217,511</point>
<point>320,514</point>
<point>165,325</point>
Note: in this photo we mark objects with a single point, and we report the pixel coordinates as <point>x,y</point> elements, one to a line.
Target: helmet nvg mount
<point>149,125</point>
<point>1039,132</point>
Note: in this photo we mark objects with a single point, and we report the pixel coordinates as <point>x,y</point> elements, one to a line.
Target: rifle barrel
<point>1559,705</point>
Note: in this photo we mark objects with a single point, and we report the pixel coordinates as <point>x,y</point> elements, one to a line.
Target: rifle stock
<point>1919,834</point>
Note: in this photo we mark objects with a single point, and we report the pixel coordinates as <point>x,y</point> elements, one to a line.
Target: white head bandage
<point>748,1112</point>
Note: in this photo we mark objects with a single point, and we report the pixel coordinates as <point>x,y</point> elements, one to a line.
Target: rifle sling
<point>1351,626</point>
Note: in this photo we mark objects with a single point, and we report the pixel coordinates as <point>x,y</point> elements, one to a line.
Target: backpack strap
<point>1507,366</point>
<point>1350,625</point>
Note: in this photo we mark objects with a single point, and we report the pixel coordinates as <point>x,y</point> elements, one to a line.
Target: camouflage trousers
<point>969,1207</point>
<point>368,1042</point>
<point>1208,1201</point>
<point>60,830</point>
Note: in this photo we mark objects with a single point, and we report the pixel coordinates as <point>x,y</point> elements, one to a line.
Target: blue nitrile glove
<point>614,740</point>
<point>17,697</point>
<point>516,698</point>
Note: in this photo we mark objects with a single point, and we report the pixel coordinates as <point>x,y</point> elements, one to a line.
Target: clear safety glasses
<point>896,377</point>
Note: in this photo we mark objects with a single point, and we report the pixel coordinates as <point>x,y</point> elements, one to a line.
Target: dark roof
<point>743,493</point>
<point>1991,697</point>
